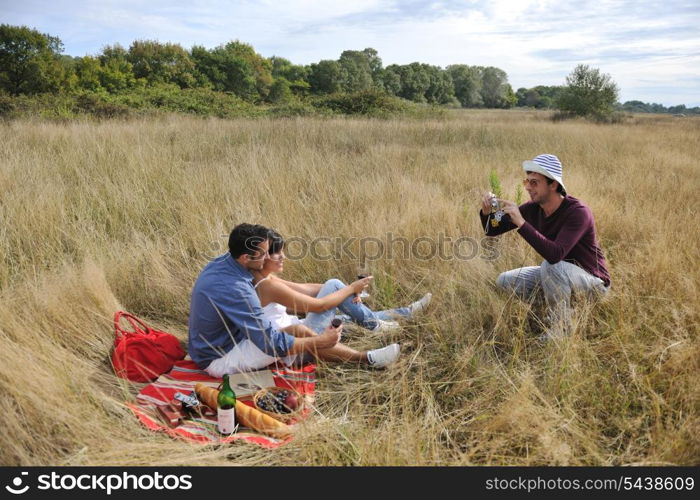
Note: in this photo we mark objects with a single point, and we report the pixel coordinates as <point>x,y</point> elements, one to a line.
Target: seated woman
<point>319,302</point>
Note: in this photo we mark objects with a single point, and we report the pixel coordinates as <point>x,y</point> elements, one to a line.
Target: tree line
<point>32,63</point>
<point>234,74</point>
<point>547,97</point>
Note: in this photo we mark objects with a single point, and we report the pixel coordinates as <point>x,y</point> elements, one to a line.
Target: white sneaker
<point>386,326</point>
<point>380,358</point>
<point>420,305</point>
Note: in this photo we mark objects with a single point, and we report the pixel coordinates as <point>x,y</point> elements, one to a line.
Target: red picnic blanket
<point>183,377</point>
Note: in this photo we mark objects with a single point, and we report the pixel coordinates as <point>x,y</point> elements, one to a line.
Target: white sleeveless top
<point>277,313</point>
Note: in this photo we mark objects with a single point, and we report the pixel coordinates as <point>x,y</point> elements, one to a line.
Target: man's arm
<point>299,330</point>
<point>503,226</point>
<point>327,339</point>
<point>575,225</point>
<point>241,306</point>
<point>488,222</point>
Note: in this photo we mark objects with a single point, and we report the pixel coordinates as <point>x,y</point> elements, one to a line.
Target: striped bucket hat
<point>547,165</point>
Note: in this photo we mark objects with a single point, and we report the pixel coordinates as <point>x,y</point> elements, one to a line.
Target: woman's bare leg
<point>341,353</point>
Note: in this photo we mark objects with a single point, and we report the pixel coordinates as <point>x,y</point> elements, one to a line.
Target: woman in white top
<point>319,301</point>
<point>278,316</point>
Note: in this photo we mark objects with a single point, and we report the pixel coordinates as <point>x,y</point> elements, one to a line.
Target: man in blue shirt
<point>227,330</point>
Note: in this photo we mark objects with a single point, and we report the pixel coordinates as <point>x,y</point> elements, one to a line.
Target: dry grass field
<point>99,216</point>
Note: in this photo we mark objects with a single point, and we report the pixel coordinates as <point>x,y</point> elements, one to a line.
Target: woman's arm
<point>277,291</point>
<point>310,289</point>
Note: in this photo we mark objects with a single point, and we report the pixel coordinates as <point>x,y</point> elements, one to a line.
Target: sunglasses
<point>531,182</point>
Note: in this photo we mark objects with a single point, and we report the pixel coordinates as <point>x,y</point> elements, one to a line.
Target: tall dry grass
<point>100,216</point>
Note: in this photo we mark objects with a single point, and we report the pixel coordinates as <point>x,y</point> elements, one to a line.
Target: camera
<point>498,215</point>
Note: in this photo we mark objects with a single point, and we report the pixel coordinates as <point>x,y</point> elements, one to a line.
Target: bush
<point>96,105</point>
<point>205,102</point>
<point>51,106</point>
<point>200,101</point>
<point>7,106</point>
<point>365,102</point>
<point>293,109</point>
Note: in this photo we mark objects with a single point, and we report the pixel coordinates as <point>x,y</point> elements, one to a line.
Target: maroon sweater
<point>568,234</point>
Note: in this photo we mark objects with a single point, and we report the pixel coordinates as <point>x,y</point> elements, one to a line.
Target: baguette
<point>246,415</point>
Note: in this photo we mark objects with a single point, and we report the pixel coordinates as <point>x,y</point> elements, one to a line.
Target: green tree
<point>226,72</point>
<point>259,65</point>
<point>414,78</point>
<point>588,92</point>
<point>495,90</point>
<point>441,89</point>
<point>540,97</point>
<point>235,67</point>
<point>116,72</point>
<point>361,70</point>
<point>161,63</point>
<point>297,76</point>
<point>88,70</point>
<point>280,91</point>
<point>391,80</point>
<point>510,98</point>
<point>355,71</point>
<point>325,77</point>
<point>467,84</point>
<point>284,68</point>
<point>30,61</point>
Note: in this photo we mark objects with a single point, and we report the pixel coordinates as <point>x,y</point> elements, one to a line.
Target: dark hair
<point>276,241</point>
<point>246,238</point>
<point>560,189</point>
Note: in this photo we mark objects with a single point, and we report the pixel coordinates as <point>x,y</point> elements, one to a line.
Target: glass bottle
<point>226,409</point>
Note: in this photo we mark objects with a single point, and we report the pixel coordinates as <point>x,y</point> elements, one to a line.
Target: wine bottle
<point>226,408</point>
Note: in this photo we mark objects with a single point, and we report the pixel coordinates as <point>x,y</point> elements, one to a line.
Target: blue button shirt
<point>226,310</point>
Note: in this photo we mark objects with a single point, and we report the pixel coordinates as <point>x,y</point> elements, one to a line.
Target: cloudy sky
<point>650,48</point>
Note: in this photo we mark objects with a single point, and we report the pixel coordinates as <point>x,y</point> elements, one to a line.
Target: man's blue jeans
<point>359,313</point>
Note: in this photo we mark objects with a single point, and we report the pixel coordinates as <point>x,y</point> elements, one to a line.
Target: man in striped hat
<point>561,229</point>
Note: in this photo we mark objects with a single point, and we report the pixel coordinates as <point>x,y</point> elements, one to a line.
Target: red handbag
<point>145,353</point>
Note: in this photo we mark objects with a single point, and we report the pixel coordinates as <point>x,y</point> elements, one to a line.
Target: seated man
<point>228,332</point>
<point>561,229</point>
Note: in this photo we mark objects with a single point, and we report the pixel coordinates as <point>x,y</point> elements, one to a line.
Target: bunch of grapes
<point>274,402</point>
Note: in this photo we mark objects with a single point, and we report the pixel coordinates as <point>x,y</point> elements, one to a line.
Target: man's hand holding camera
<point>486,203</point>
<point>511,209</point>
<point>507,207</point>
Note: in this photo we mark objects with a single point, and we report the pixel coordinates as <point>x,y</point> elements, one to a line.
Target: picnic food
<point>292,401</point>
<point>248,416</point>
<point>274,401</point>
<point>225,403</point>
